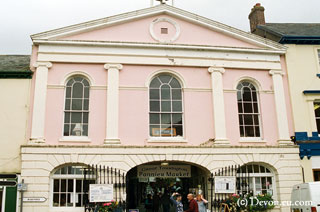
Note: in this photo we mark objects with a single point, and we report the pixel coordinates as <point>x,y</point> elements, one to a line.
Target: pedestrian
<point>201,203</point>
<point>165,200</point>
<point>177,202</point>
<point>156,202</point>
<point>193,205</point>
<point>149,203</point>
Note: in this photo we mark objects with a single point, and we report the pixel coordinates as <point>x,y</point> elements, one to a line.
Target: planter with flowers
<point>109,206</point>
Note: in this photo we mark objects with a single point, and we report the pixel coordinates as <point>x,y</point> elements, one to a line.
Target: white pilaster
<point>39,102</point>
<point>218,106</point>
<point>112,125</point>
<point>281,108</point>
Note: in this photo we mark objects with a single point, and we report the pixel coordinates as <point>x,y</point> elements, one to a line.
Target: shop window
<point>316,175</point>
<point>317,114</point>
<point>248,110</point>
<point>76,110</point>
<point>69,187</point>
<point>260,180</point>
<point>166,107</point>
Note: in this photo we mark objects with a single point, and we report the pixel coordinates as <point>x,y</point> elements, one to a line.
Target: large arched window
<point>69,186</point>
<point>76,113</point>
<point>258,180</point>
<point>248,110</point>
<point>166,110</point>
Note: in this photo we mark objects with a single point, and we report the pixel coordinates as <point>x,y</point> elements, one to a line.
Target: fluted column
<point>39,102</point>
<point>281,109</point>
<point>112,125</point>
<point>218,106</point>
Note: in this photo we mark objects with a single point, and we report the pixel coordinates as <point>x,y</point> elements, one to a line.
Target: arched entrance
<point>162,178</point>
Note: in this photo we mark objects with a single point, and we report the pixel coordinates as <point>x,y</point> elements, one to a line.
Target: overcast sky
<point>21,18</point>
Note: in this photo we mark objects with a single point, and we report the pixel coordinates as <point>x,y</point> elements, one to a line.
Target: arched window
<point>248,110</point>
<point>258,180</point>
<point>76,113</point>
<point>69,186</point>
<point>166,108</point>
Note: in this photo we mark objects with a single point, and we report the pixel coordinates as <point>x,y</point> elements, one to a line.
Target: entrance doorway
<point>160,180</point>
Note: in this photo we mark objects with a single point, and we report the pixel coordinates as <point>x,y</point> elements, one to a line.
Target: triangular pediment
<point>162,24</point>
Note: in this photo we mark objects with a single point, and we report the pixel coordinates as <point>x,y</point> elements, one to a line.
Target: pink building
<point>152,88</point>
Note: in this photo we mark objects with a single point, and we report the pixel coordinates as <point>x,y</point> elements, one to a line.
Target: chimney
<point>256,17</point>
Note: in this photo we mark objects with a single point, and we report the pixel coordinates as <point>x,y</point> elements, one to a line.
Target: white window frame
<point>68,177</point>
<point>315,116</point>
<point>251,139</point>
<point>164,139</point>
<point>253,176</point>
<point>3,199</point>
<point>73,138</point>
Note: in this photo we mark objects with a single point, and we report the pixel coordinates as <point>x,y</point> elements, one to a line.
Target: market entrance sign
<point>101,192</point>
<point>172,171</point>
<point>225,184</point>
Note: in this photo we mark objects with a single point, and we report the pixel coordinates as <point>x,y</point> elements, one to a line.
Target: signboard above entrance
<point>157,171</point>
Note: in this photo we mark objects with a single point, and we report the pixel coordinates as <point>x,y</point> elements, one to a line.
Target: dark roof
<point>300,33</point>
<point>15,66</point>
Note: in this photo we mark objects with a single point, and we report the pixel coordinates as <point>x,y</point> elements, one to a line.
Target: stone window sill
<point>252,140</point>
<point>166,140</point>
<point>75,139</point>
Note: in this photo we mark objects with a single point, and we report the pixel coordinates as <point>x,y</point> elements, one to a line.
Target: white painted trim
<point>157,45</point>
<point>75,139</point>
<point>3,199</point>
<point>252,80</point>
<point>252,140</point>
<point>18,194</point>
<point>175,24</point>
<point>175,74</point>
<point>81,73</point>
<point>167,140</point>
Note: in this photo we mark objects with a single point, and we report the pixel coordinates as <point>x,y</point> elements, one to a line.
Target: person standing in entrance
<point>177,202</point>
<point>149,203</point>
<point>201,203</point>
<point>165,200</point>
<point>193,205</point>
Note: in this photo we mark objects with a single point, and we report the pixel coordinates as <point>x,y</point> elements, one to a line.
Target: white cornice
<point>160,9</point>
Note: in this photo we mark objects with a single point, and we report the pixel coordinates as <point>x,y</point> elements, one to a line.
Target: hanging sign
<point>172,171</point>
<point>101,192</point>
<point>225,185</point>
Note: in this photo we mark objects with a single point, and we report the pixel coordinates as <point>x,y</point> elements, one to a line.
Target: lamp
<point>78,129</point>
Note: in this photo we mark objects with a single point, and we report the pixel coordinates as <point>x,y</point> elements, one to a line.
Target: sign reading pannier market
<point>171,171</point>
<point>101,192</point>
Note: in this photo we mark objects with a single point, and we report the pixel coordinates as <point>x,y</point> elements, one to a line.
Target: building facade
<point>15,79</point>
<point>303,64</point>
<point>158,86</point>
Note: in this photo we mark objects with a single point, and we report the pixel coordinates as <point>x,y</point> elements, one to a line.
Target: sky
<point>22,18</point>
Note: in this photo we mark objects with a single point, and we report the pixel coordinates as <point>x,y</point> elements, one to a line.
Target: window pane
<point>78,186</point>
<point>255,108</point>
<point>257,131</point>
<point>63,185</point>
<point>56,200</point>
<point>256,119</point>
<point>256,169</point>
<point>164,78</point>
<point>249,132</point>
<point>177,106</point>
<point>85,82</point>
<point>78,79</point>
<point>154,94</point>
<point>155,83</point>
<point>86,104</point>
<point>179,130</point>
<point>166,130</point>
<point>177,118</point>
<point>154,106</point>
<point>76,117</point>
<point>86,92</point>
<point>263,182</point>
<point>77,91</point>
<point>262,169</point>
<point>70,82</point>
<point>77,104</point>
<point>68,92</point>
<point>254,96</point>
<point>246,94</point>
<point>69,204</point>
<point>247,107</point>
<point>67,107</point>
<point>250,170</point>
<point>155,130</point>
<point>66,129</point>
<point>70,185</point>
<point>67,117</point>
<point>248,119</point>
<point>165,93</point>
<point>241,131</point>
<point>165,119</point>
<point>85,118</point>
<point>85,130</point>
<point>64,170</point>
<point>154,118</point>
<point>176,94</point>
<point>317,109</point>
<point>56,186</point>
<point>241,119</point>
<point>63,200</point>
<point>72,129</point>
<point>175,83</point>
<point>240,110</point>
<point>165,106</point>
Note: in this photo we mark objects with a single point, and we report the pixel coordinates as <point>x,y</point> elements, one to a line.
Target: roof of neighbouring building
<point>299,33</point>
<point>15,66</point>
